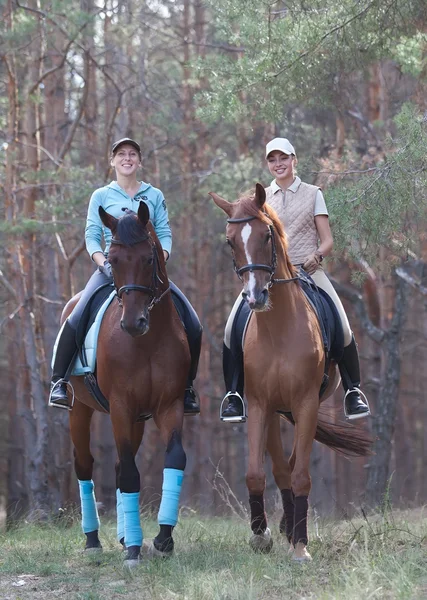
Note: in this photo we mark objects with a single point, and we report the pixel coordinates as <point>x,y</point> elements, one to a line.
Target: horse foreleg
<point>138,432</point>
<point>282,476</point>
<point>128,482</point>
<point>173,474</point>
<point>305,429</point>
<point>80,418</point>
<point>255,478</point>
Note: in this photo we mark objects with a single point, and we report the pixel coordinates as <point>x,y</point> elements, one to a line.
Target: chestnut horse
<point>283,371</point>
<point>142,364</point>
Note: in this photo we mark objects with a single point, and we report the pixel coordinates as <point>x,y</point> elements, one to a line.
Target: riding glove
<point>106,269</point>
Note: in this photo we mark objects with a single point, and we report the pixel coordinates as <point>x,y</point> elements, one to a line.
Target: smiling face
<point>126,160</point>
<point>282,166</point>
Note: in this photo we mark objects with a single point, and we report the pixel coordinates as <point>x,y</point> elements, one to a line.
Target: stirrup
<point>239,418</point>
<point>60,382</point>
<point>356,416</point>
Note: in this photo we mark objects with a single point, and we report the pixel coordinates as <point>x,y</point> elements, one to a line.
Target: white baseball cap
<point>281,144</point>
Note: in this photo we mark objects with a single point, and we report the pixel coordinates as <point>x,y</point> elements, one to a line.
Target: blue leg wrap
<point>90,518</point>
<point>133,531</point>
<point>120,516</point>
<point>171,490</point>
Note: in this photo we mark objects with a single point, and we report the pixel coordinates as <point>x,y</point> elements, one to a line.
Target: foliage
<point>386,207</point>
<point>298,52</point>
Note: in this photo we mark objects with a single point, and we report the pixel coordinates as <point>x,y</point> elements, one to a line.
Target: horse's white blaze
<point>246,233</point>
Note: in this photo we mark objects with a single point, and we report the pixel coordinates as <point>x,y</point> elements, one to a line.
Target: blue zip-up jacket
<point>112,199</point>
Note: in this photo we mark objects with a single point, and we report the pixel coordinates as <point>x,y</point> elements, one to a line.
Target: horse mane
<point>130,230</point>
<point>268,216</point>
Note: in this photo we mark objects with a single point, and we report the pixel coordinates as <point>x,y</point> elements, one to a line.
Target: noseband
<point>155,279</point>
<point>260,266</point>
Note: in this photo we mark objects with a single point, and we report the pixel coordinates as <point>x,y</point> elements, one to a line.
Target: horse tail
<point>341,437</point>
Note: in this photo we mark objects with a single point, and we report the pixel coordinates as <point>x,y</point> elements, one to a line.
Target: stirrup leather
<point>356,416</point>
<point>238,419</point>
<point>60,382</point>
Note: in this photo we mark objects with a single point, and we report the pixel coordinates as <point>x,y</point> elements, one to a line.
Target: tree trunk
<point>385,415</point>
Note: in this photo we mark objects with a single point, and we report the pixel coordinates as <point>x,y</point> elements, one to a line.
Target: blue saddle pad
<point>88,351</point>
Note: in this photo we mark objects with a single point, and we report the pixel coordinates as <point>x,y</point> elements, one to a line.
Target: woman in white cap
<point>124,193</point>
<point>302,209</point>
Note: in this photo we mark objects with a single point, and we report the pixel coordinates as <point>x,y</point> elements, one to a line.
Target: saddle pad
<point>90,343</point>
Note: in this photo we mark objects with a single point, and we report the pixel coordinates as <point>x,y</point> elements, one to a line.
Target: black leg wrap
<point>300,520</point>
<point>258,516</point>
<point>133,552</point>
<point>92,540</point>
<point>175,456</point>
<point>287,521</point>
<point>164,541</point>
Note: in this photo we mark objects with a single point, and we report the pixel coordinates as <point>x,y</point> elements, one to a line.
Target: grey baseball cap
<point>124,141</point>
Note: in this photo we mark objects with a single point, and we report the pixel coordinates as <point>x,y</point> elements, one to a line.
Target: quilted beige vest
<point>296,212</point>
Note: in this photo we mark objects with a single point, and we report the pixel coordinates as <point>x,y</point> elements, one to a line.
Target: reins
<point>260,266</point>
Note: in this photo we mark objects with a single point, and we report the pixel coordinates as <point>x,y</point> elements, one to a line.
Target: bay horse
<point>143,360</point>
<point>283,370</point>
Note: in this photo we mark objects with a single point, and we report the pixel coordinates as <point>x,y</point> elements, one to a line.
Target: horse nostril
<point>264,296</point>
<point>142,322</point>
<point>122,325</point>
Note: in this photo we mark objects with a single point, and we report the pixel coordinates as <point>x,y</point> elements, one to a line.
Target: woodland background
<point>203,85</point>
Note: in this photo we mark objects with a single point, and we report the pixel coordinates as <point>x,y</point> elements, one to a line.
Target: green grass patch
<point>379,556</point>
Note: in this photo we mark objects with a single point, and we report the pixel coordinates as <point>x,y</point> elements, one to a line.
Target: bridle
<point>151,290</point>
<point>271,268</point>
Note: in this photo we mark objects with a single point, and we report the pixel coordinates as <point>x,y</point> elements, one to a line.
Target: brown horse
<point>142,364</point>
<point>283,368</point>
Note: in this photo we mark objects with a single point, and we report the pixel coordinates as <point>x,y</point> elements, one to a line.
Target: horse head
<point>257,241</point>
<point>138,267</point>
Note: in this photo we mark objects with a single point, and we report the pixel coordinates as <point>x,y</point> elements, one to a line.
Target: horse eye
<point>150,260</point>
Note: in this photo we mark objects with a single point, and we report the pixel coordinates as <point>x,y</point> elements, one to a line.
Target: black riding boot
<point>354,406</point>
<point>233,377</point>
<point>191,397</point>
<point>194,330</point>
<point>65,354</point>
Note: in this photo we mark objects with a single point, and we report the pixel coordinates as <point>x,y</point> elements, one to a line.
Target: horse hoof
<point>133,557</point>
<point>151,551</point>
<point>261,542</point>
<point>132,563</point>
<point>95,550</point>
<point>301,555</point>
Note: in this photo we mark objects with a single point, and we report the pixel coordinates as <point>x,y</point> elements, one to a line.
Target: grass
<point>380,556</point>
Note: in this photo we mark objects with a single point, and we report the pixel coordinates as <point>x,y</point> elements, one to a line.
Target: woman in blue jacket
<point>125,192</point>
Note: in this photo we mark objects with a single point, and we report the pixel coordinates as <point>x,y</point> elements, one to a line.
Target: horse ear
<point>259,195</point>
<point>143,213</point>
<point>109,221</point>
<point>226,206</point>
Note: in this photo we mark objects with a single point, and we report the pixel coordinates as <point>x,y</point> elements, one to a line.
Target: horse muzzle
<point>136,328</point>
<point>257,301</point>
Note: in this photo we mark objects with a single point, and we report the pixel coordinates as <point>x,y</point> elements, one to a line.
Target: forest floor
<point>379,556</point>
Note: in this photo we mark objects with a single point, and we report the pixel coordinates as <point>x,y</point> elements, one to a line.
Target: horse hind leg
<point>173,475</point>
<point>80,418</point>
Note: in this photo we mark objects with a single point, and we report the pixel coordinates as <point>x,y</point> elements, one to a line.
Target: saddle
<point>328,317</point>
